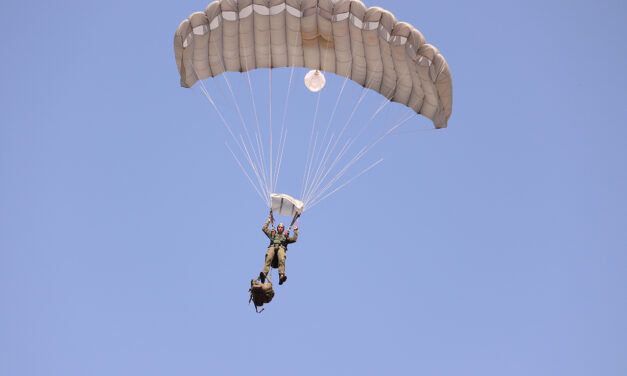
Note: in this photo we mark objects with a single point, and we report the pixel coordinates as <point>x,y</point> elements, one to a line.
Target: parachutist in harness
<point>277,250</point>
<point>261,292</point>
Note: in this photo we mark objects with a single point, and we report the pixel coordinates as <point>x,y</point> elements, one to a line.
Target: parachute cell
<point>366,45</point>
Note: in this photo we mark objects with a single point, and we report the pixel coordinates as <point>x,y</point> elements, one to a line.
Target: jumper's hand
<point>296,226</point>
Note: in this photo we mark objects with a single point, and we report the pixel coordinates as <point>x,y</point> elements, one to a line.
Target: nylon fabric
<point>366,45</point>
<point>285,204</point>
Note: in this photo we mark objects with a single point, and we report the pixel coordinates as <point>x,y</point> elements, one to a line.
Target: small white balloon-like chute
<point>315,81</point>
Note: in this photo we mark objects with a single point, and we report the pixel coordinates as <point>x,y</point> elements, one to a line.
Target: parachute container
<point>286,205</point>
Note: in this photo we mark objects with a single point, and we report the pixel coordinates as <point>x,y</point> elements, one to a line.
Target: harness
<point>283,242</point>
<point>285,234</point>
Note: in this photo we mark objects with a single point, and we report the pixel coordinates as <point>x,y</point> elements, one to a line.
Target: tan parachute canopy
<point>367,45</point>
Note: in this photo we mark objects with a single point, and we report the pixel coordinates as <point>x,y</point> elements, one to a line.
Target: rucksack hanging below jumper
<point>260,293</point>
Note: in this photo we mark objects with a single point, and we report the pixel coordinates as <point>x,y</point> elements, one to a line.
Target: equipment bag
<point>260,293</point>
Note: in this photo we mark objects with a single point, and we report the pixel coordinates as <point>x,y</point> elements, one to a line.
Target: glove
<point>296,226</point>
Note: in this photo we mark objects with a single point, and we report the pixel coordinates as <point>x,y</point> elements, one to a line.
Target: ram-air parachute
<point>367,46</point>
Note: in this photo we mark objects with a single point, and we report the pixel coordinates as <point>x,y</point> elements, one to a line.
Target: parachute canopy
<point>366,45</point>
<point>286,205</point>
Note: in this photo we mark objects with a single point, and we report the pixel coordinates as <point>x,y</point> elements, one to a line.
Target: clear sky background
<point>128,235</point>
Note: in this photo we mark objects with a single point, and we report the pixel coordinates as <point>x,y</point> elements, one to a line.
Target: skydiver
<point>278,248</point>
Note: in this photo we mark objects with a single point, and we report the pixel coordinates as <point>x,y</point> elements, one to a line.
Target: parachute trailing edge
<point>367,45</point>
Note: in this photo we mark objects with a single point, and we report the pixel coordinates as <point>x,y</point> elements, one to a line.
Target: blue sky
<point>128,234</point>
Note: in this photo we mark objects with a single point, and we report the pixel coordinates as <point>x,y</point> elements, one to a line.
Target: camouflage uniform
<point>278,247</point>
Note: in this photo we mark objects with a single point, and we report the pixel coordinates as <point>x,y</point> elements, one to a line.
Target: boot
<point>282,278</point>
<point>262,277</point>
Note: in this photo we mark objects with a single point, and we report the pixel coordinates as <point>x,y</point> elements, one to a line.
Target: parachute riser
<point>294,219</point>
